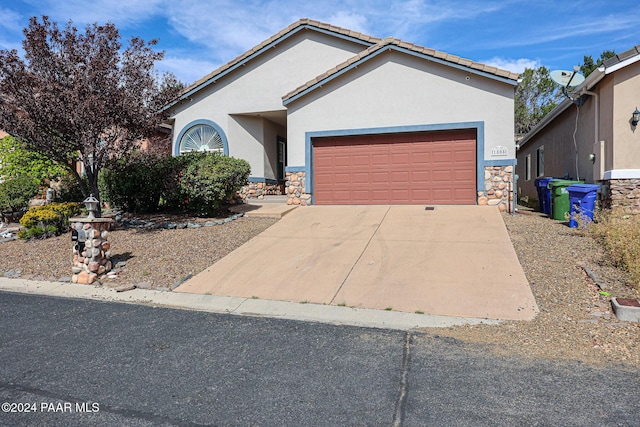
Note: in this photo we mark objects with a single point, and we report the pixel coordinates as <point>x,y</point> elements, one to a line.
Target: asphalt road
<point>78,362</point>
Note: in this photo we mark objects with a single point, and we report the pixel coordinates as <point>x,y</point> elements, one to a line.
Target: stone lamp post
<point>91,203</point>
<point>91,250</point>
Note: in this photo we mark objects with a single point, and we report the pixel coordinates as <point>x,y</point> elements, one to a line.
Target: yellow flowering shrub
<point>47,220</point>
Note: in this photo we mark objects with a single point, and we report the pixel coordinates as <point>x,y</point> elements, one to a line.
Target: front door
<point>282,158</point>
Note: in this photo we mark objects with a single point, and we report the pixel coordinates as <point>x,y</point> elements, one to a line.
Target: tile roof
<point>622,56</point>
<point>304,22</point>
<point>390,42</point>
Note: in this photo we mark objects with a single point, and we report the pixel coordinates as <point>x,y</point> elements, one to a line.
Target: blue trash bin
<point>544,194</point>
<point>582,198</point>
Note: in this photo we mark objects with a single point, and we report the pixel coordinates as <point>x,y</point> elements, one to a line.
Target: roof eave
<point>287,99</point>
<point>304,24</point>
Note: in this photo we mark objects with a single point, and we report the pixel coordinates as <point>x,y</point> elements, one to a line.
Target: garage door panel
<point>428,167</point>
<point>420,176</point>
<point>400,159</point>
<point>342,178</point>
<point>361,178</point>
<point>379,159</point>
<point>379,177</point>
<point>341,160</point>
<point>399,176</point>
<point>441,176</point>
<point>361,160</point>
<point>380,196</point>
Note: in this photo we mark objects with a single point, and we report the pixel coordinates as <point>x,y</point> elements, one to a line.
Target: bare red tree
<point>80,97</point>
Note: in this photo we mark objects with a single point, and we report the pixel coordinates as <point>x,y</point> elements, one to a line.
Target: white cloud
<point>123,13</point>
<point>513,65</point>
<point>350,20</point>
<point>227,27</point>
<point>10,30</point>
<point>10,20</point>
<point>188,70</point>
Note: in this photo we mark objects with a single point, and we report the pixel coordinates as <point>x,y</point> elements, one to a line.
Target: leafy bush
<point>211,179</point>
<point>48,220</point>
<point>619,235</point>
<point>15,193</point>
<point>69,189</point>
<point>17,160</point>
<point>148,182</point>
<point>142,182</point>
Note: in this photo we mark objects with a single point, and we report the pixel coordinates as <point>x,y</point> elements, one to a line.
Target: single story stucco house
<point>607,142</point>
<point>331,116</point>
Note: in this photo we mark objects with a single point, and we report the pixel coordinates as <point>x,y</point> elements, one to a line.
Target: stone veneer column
<point>623,194</point>
<point>498,188</point>
<point>295,189</point>
<point>94,259</point>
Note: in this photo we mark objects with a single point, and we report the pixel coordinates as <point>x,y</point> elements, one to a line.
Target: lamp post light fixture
<point>91,203</point>
<point>636,117</point>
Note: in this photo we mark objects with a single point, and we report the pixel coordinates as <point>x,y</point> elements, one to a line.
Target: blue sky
<point>199,35</point>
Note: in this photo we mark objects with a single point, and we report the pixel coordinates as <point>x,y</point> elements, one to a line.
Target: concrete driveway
<point>452,261</point>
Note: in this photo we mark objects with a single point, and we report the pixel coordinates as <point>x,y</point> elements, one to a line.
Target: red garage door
<point>409,168</point>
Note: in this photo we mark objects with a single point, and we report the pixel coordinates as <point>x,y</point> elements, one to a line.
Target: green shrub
<point>48,220</point>
<point>17,160</point>
<point>142,182</point>
<point>147,182</point>
<point>619,235</point>
<point>70,190</point>
<point>15,193</point>
<point>210,179</point>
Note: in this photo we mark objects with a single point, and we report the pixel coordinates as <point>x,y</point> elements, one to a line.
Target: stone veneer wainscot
<point>623,194</point>
<point>257,190</point>
<point>498,188</point>
<point>295,189</point>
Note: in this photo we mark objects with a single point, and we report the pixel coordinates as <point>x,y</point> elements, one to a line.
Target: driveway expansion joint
<point>359,256</point>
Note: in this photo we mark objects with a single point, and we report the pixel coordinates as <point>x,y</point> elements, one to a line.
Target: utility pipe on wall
<point>596,120</point>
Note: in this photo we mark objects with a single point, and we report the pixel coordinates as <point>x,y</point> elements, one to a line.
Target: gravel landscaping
<point>575,321</point>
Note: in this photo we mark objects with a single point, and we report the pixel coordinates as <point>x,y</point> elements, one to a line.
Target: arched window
<point>201,137</point>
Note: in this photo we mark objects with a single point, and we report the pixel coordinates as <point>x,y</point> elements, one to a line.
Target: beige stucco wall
<point>559,150</point>
<point>258,87</point>
<point>396,89</point>
<point>617,146</point>
<point>605,90</point>
<point>626,138</point>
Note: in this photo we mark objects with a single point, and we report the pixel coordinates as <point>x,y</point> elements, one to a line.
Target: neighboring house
<point>607,143</point>
<point>331,116</point>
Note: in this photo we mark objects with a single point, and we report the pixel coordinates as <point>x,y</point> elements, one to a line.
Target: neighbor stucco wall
<point>397,89</point>
<point>258,86</point>
<point>559,150</point>
<point>626,138</point>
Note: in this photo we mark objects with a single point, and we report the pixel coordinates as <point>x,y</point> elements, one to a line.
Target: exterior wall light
<point>636,117</point>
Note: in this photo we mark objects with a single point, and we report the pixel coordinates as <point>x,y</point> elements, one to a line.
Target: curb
<point>319,313</point>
